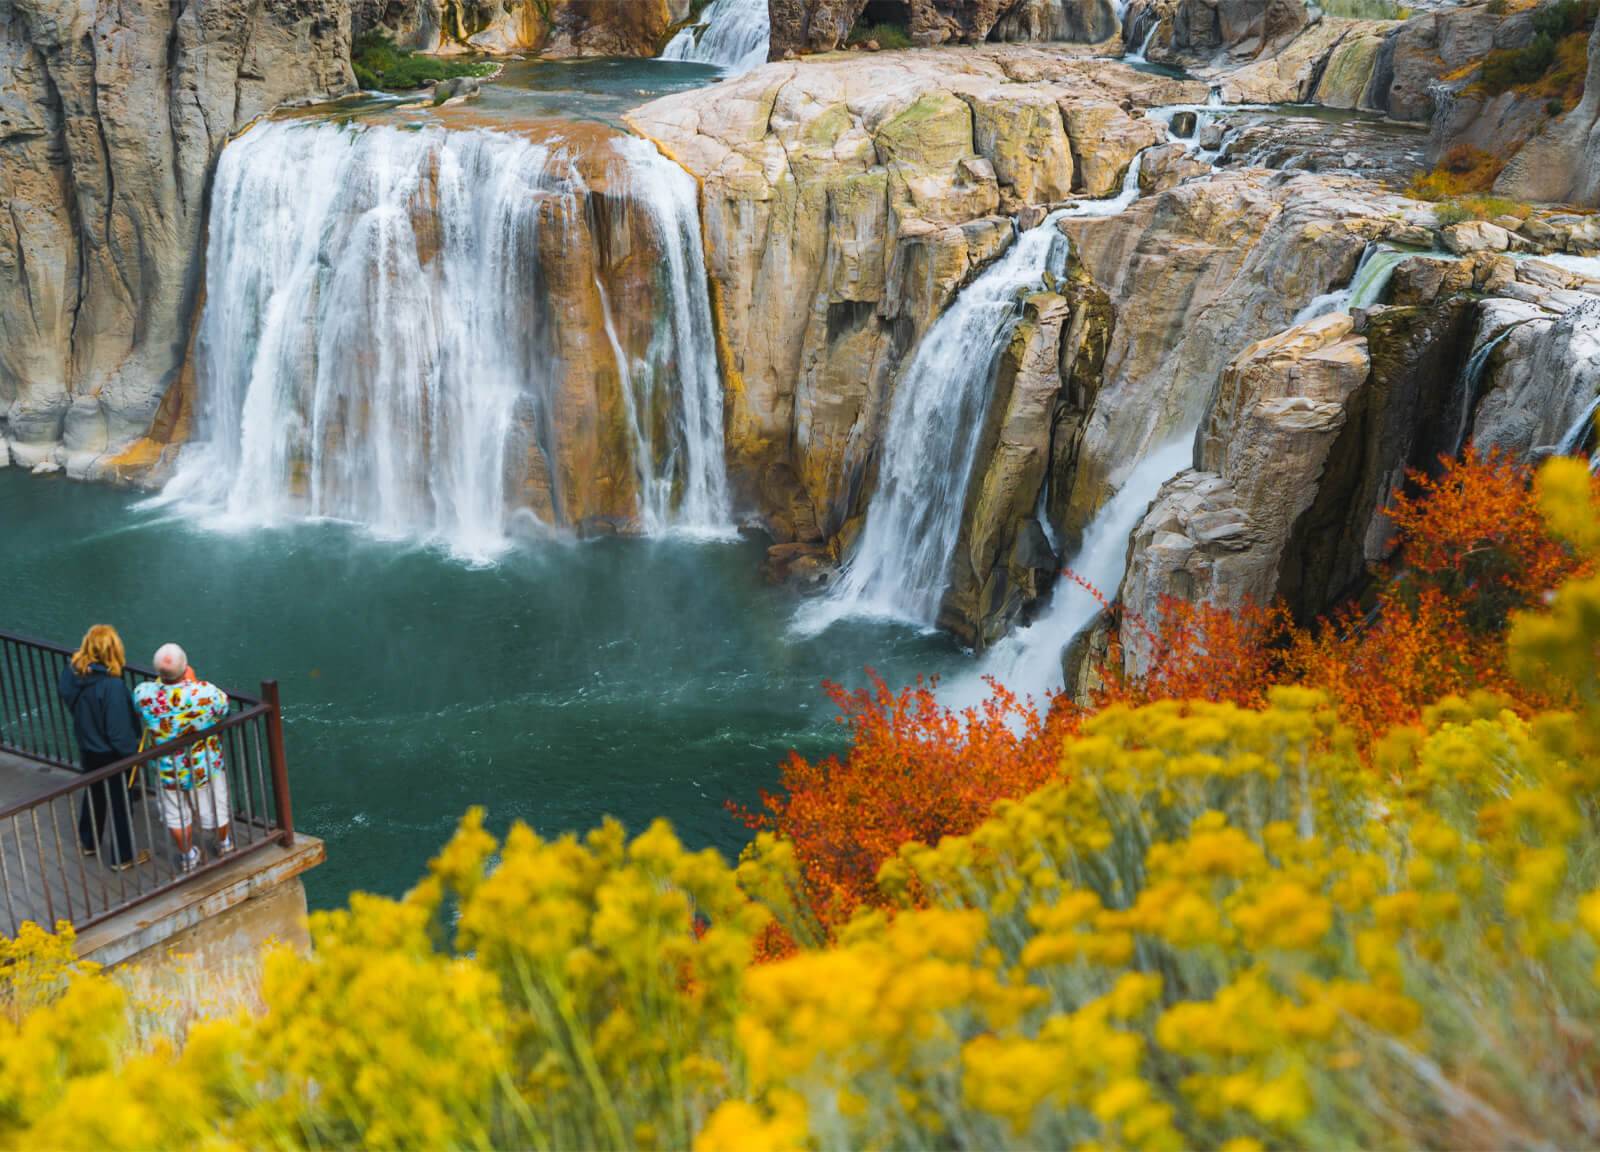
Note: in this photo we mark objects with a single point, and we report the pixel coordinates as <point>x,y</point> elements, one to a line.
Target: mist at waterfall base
<point>567,682</point>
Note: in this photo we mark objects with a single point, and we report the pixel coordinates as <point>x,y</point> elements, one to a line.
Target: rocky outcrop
<point>111,118</point>
<point>1213,32</point>
<point>1541,375</point>
<point>800,26</point>
<point>844,203</point>
<point>1562,161</point>
<point>1196,274</point>
<point>1218,533</point>
<point>552,28</point>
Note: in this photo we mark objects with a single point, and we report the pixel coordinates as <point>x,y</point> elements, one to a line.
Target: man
<point>194,782</point>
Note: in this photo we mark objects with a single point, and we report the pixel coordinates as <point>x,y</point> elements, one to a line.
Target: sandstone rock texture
<point>801,26</point>
<point>1195,274</point>
<point>844,203</point>
<point>1217,533</point>
<point>111,118</point>
<point>552,28</point>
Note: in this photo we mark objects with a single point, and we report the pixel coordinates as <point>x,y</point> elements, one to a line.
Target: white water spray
<point>732,34</point>
<point>1366,287</point>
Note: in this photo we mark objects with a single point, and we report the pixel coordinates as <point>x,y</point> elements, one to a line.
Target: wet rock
<point>1183,124</point>
<point>1540,379</point>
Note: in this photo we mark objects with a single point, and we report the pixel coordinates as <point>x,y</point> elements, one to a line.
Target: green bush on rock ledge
<point>380,65</point>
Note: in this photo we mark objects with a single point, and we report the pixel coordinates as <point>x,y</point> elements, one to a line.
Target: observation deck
<point>120,915</point>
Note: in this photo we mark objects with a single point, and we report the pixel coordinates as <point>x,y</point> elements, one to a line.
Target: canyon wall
<point>111,120</point>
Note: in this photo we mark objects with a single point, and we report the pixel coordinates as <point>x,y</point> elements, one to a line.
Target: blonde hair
<point>101,645</point>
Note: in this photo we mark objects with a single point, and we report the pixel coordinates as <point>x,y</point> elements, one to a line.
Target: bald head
<point>171,663</point>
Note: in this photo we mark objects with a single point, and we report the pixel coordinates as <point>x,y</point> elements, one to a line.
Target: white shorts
<point>210,800</point>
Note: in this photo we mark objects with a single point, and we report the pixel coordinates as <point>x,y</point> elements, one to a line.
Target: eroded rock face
<point>845,202</point>
<point>1543,376</point>
<point>1562,162</point>
<point>1195,274</point>
<point>111,118</point>
<point>801,26</point>
<point>1217,533</point>
<point>553,28</point>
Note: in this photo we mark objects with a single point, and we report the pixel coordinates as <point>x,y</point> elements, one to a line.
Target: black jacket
<point>102,712</point>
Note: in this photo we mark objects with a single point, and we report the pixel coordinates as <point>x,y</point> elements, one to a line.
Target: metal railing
<point>44,876</point>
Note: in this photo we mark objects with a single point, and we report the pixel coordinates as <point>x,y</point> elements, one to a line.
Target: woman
<point>107,726</point>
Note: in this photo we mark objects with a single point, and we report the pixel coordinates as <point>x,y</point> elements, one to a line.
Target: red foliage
<point>916,771</point>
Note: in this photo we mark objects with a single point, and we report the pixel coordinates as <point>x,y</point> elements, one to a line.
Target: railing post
<point>280,768</point>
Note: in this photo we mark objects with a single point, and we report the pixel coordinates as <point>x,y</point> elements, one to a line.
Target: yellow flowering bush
<point>1219,927</point>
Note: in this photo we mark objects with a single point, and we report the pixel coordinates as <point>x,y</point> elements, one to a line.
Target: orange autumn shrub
<point>1473,550</point>
<point>916,770</point>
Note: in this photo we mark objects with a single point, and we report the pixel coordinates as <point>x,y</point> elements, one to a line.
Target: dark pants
<point>112,794</point>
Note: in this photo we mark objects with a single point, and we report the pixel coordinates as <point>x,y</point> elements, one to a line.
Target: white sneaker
<point>225,845</point>
<point>190,860</point>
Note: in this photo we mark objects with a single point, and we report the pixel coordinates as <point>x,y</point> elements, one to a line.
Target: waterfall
<point>1111,205</point>
<point>1581,431</point>
<point>1472,380</point>
<point>1366,286</point>
<point>376,343</point>
<point>1028,661</point>
<point>1139,56</point>
<point>732,34</point>
<point>685,351</point>
<point>900,566</point>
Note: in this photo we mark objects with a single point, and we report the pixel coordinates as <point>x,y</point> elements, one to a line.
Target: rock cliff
<point>111,119</point>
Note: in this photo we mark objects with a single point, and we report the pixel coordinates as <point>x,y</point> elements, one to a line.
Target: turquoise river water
<point>633,678</point>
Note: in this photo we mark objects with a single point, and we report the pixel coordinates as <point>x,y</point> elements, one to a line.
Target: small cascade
<point>1028,661</point>
<point>1141,54</point>
<point>1366,287</point>
<point>732,34</point>
<point>378,343</point>
<point>1472,383</point>
<point>900,567</point>
<point>1580,434</point>
<point>684,351</point>
<point>1111,205</point>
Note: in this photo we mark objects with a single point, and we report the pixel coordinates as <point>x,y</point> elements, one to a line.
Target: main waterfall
<point>384,339</point>
<point>732,34</point>
<point>900,567</point>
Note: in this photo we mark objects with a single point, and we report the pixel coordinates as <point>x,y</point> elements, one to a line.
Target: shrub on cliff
<point>380,65</point>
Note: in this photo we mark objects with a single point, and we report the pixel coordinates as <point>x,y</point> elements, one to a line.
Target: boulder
<point>1475,236</point>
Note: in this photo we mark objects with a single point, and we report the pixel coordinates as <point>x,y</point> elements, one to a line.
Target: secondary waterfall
<point>732,34</point>
<point>1366,287</point>
<point>900,566</point>
<point>376,344</point>
<point>685,350</point>
<point>1472,382</point>
<point>1028,661</point>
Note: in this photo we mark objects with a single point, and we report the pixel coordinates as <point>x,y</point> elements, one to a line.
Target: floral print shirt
<point>170,711</point>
